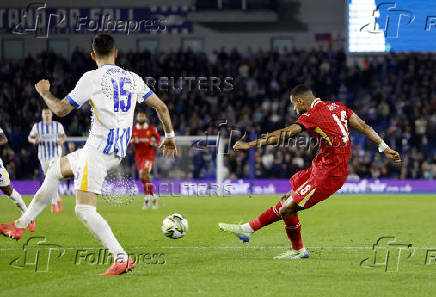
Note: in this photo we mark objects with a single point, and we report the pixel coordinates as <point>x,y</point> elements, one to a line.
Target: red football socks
<point>292,225</point>
<point>293,230</point>
<point>148,187</point>
<point>268,217</point>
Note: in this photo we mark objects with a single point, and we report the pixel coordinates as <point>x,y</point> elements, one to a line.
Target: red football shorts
<point>312,186</point>
<point>144,163</point>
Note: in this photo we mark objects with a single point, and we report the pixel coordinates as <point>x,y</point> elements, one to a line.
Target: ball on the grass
<point>175,226</point>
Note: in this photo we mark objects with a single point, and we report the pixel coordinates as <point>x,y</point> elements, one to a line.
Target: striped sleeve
<point>82,91</point>
<point>143,91</point>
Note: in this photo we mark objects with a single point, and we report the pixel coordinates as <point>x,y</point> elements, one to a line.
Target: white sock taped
<point>45,194</point>
<point>18,201</point>
<point>101,230</point>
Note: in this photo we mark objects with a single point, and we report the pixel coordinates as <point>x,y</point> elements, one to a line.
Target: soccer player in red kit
<point>328,122</point>
<point>145,139</point>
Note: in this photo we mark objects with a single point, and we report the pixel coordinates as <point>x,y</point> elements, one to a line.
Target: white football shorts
<point>4,176</point>
<point>90,168</point>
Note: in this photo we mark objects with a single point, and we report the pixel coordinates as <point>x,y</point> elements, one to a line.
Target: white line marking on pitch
<point>213,247</point>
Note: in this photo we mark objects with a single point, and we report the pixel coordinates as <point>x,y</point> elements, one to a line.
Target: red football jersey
<point>328,122</point>
<point>142,139</point>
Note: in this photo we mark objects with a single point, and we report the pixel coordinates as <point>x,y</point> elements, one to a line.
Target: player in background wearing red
<point>328,122</point>
<point>145,139</point>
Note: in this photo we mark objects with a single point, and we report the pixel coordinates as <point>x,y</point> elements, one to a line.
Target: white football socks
<point>18,201</point>
<point>247,228</point>
<point>101,230</point>
<point>154,201</point>
<point>55,198</point>
<point>43,196</point>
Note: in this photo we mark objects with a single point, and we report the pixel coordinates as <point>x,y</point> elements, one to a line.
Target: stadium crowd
<point>393,93</point>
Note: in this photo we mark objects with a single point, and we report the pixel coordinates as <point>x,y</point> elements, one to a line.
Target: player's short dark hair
<point>301,90</point>
<point>103,45</point>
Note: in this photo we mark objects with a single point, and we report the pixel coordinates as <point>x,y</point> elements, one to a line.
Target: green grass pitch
<point>339,234</point>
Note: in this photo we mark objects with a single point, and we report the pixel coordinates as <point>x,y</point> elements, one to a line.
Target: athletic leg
<point>293,230</point>
<point>57,171</point>
<point>266,218</point>
<point>91,167</point>
<point>144,175</point>
<point>270,216</point>
<point>56,202</point>
<point>15,197</point>
<point>273,214</point>
<point>5,186</point>
<point>154,197</point>
<point>316,188</point>
<point>86,211</point>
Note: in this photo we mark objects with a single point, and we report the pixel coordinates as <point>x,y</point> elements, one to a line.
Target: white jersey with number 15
<point>113,93</point>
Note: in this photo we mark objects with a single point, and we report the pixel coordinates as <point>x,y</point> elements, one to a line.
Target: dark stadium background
<point>266,46</point>
<point>370,238</point>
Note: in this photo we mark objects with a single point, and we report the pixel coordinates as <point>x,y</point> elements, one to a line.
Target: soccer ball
<point>175,226</point>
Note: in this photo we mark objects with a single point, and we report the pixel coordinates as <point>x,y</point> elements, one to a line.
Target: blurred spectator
<point>385,92</point>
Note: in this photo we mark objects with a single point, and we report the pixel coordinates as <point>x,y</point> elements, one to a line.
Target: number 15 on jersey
<point>122,97</point>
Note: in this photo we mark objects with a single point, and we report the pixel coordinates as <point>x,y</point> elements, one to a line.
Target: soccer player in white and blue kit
<point>5,185</point>
<point>49,136</point>
<point>113,93</point>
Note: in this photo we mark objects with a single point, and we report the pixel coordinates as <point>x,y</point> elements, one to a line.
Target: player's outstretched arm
<point>59,107</point>
<point>356,122</point>
<point>3,140</point>
<point>269,139</point>
<point>168,144</point>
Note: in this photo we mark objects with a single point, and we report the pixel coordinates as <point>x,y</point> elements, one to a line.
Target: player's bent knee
<point>79,213</point>
<point>7,190</point>
<point>65,167</point>
<point>83,211</point>
<point>54,169</point>
<point>285,197</point>
<point>288,209</point>
<point>86,198</point>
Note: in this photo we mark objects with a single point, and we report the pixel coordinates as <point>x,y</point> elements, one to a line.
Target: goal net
<point>197,170</point>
